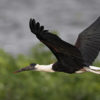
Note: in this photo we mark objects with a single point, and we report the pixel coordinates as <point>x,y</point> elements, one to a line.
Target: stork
<point>76,58</point>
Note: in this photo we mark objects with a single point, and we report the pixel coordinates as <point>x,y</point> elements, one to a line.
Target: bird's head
<point>37,67</point>
<point>27,68</point>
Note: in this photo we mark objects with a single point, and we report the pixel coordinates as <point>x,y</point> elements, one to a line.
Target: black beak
<point>28,68</point>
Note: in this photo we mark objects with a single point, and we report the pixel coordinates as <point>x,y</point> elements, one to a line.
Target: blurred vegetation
<point>41,85</point>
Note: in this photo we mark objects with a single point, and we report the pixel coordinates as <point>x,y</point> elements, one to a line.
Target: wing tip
<point>35,27</point>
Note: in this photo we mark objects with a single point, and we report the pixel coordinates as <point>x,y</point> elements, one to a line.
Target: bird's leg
<point>95,68</point>
<point>92,69</point>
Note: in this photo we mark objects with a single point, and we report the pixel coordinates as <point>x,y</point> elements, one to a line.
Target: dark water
<point>68,17</point>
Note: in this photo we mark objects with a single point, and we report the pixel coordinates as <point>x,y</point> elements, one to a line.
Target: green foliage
<point>41,85</point>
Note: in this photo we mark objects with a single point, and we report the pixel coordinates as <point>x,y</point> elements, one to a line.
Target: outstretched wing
<point>88,42</point>
<point>53,42</point>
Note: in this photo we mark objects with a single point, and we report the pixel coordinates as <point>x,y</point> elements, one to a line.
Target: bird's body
<point>70,58</point>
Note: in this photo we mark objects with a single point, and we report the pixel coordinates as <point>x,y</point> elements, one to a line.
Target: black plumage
<point>88,42</point>
<point>70,58</point>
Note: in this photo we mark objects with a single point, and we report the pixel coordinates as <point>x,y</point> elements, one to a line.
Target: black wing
<point>54,43</point>
<point>88,42</point>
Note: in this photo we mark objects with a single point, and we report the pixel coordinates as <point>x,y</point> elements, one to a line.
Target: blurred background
<point>68,17</point>
<point>19,48</point>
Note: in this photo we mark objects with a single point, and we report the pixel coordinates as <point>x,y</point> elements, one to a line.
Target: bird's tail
<point>93,69</point>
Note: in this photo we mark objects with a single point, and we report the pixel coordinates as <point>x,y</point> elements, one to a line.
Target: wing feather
<point>53,42</point>
<point>88,42</point>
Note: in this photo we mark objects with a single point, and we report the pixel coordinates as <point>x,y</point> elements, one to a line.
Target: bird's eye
<point>32,64</point>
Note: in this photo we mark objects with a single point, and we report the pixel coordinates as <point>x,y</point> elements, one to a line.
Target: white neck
<point>45,68</point>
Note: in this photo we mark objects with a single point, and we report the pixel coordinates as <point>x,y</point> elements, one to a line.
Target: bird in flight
<point>76,58</point>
